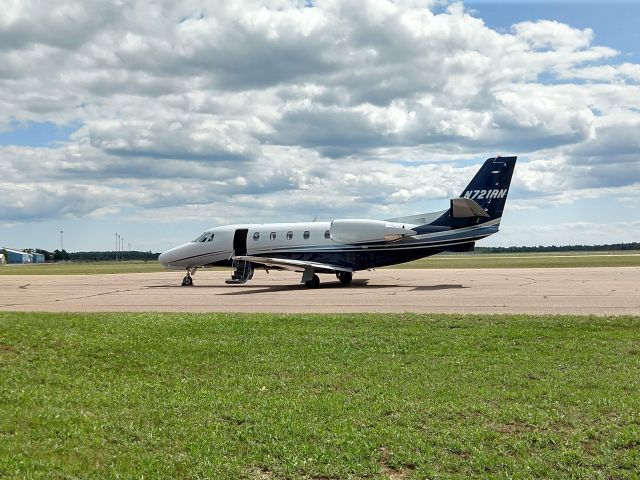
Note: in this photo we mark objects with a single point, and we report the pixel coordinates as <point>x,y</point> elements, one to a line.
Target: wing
<point>293,265</point>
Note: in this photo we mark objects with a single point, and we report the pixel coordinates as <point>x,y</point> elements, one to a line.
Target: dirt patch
<point>262,474</point>
<point>392,473</point>
<point>515,427</point>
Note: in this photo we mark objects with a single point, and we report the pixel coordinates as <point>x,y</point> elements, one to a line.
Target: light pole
<point>121,248</point>
<point>61,243</point>
<point>117,247</point>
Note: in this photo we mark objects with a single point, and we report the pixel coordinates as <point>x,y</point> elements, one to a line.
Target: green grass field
<point>529,260</point>
<point>318,396</point>
<point>81,268</point>
<point>515,260</point>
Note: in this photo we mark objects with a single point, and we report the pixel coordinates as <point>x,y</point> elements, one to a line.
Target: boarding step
<point>242,272</point>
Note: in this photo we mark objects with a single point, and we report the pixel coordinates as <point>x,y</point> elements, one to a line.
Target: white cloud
<point>256,107</point>
<point>606,73</point>
<point>553,35</point>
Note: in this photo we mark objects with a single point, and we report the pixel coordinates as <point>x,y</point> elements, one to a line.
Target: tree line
<point>562,248</point>
<point>64,256</point>
<point>111,256</point>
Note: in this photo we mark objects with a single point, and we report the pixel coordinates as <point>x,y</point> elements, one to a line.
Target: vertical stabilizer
<point>490,186</point>
<point>487,193</point>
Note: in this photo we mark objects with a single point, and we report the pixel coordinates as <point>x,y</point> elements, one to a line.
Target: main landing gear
<point>311,280</point>
<point>344,277</point>
<point>314,282</point>
<point>187,281</point>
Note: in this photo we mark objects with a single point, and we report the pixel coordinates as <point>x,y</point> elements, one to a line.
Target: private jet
<point>345,246</point>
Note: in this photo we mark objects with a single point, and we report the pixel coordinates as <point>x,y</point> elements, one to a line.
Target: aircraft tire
<point>314,282</point>
<point>345,278</point>
<point>187,281</point>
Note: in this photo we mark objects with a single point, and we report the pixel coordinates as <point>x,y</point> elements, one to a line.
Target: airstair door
<point>240,241</point>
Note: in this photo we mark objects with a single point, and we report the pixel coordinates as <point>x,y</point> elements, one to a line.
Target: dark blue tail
<point>490,187</point>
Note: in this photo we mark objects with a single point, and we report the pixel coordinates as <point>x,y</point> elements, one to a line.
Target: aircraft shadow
<point>355,285</point>
<point>438,287</point>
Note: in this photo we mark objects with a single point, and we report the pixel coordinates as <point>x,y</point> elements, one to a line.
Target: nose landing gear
<point>187,281</point>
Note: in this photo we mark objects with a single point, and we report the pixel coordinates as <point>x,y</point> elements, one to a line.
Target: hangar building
<point>16,256</point>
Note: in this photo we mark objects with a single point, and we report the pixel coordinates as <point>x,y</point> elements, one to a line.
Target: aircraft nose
<point>165,258</point>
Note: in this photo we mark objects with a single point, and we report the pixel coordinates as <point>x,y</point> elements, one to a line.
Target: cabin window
<point>306,234</point>
<point>273,235</point>
<point>289,235</point>
<point>327,234</point>
<point>256,236</point>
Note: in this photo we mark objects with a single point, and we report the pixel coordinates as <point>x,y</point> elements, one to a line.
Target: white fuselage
<point>261,239</point>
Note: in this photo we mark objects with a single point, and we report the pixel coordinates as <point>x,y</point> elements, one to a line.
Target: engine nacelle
<point>361,231</point>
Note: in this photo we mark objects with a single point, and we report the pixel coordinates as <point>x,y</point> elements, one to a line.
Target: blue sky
<point>36,134</point>
<point>159,120</point>
<point>615,24</point>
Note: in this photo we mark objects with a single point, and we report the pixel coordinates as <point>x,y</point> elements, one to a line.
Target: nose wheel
<point>187,281</point>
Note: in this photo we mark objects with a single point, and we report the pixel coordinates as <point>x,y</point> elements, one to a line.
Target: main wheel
<point>344,277</point>
<point>187,281</point>
<point>314,282</point>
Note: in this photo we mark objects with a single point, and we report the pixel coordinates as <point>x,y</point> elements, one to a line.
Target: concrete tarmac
<point>600,291</point>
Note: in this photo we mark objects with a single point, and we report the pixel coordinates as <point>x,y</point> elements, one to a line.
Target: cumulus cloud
<point>256,107</point>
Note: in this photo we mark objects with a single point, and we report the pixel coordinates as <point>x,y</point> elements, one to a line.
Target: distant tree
<point>59,255</point>
<point>47,255</point>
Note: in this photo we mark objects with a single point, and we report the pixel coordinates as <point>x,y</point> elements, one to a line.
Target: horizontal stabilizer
<point>466,208</point>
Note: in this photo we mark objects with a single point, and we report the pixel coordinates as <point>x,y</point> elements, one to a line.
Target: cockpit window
<point>210,239</point>
<point>203,237</point>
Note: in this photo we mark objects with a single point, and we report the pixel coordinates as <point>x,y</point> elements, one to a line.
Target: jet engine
<point>361,231</point>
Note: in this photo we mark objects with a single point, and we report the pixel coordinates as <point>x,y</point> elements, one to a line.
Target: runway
<point>601,291</point>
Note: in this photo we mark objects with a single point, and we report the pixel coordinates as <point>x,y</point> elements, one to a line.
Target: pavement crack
<point>101,294</point>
